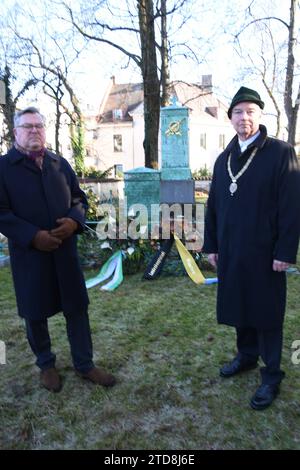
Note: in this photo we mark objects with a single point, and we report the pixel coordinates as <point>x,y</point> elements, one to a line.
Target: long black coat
<point>30,200</point>
<point>259,223</point>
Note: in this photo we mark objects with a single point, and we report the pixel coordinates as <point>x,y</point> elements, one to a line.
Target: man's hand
<point>44,241</point>
<point>280,265</point>
<point>213,259</point>
<point>67,227</point>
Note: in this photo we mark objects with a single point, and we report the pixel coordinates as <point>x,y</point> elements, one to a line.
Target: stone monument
<point>173,183</point>
<point>177,185</point>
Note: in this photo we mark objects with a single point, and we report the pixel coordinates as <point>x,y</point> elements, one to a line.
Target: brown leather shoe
<point>99,377</point>
<point>51,380</point>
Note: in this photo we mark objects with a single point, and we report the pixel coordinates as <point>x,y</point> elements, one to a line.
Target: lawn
<point>161,340</point>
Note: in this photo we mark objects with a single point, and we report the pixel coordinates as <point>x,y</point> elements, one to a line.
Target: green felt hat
<point>245,94</point>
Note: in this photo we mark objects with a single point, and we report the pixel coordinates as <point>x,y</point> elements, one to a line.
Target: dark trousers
<point>252,343</point>
<point>79,336</point>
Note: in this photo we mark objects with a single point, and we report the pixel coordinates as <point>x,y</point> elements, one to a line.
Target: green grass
<point>161,340</point>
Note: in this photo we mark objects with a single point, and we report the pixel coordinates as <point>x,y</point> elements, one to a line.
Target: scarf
<point>36,156</point>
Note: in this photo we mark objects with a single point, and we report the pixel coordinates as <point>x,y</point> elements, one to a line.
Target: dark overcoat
<point>31,200</point>
<point>260,222</point>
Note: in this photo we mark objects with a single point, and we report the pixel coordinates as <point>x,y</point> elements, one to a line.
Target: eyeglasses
<point>31,126</point>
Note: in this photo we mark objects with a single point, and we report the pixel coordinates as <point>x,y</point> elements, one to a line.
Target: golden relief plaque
<point>174,128</point>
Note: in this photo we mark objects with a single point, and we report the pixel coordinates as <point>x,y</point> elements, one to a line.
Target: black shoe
<point>264,396</point>
<point>235,367</point>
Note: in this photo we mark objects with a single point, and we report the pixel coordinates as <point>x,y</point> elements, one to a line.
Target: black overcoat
<point>30,200</point>
<point>259,223</point>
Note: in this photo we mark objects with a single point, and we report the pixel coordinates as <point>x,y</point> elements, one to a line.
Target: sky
<point>218,58</point>
<point>215,24</point>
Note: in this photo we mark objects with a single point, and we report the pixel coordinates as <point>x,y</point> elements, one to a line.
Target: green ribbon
<point>113,266</point>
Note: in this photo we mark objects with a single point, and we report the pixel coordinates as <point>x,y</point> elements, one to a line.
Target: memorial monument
<point>173,183</point>
<point>177,185</point>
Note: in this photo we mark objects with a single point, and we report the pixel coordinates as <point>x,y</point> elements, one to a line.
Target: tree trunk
<point>57,127</point>
<point>151,82</point>
<point>165,71</point>
<point>291,111</point>
<point>8,108</point>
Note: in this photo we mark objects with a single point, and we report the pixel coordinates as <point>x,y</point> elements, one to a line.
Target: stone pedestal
<point>173,191</point>
<point>142,186</point>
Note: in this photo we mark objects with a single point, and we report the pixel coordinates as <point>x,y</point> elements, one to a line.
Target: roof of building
<point>122,99</point>
<point>201,100</point>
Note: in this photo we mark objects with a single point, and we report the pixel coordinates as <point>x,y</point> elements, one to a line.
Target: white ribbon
<point>112,266</point>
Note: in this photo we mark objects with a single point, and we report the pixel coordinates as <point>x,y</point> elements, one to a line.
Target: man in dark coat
<point>42,208</point>
<point>251,236</point>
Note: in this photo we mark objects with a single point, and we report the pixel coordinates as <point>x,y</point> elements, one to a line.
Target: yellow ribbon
<point>189,263</point>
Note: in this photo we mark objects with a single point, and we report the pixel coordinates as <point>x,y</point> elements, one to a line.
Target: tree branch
<point>116,28</point>
<point>132,56</point>
<point>261,19</point>
<point>169,12</point>
<point>28,84</point>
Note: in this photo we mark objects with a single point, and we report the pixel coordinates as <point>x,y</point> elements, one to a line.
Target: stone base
<point>142,187</point>
<point>181,192</point>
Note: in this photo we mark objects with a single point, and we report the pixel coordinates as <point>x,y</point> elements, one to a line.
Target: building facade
<point>114,137</point>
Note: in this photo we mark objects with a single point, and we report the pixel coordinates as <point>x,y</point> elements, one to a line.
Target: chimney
<point>113,79</point>
<point>207,81</point>
<point>212,110</point>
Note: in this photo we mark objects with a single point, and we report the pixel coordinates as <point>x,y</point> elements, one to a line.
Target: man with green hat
<point>245,95</point>
<point>251,236</point>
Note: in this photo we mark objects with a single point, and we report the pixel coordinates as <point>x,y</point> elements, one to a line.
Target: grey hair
<point>29,110</point>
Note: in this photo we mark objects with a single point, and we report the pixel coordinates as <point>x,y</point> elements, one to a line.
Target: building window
<point>117,143</point>
<point>119,171</point>
<point>117,114</point>
<point>222,141</point>
<point>203,141</point>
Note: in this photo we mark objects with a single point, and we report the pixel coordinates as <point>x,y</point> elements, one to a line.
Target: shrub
<point>92,172</point>
<point>93,211</point>
<point>202,174</point>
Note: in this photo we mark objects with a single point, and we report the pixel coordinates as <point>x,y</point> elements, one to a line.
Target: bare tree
<point>265,66</point>
<point>9,107</point>
<point>139,23</point>
<point>164,52</point>
<point>290,108</point>
<point>48,57</point>
<point>16,82</point>
<point>148,66</point>
<point>44,52</point>
<point>54,90</point>
<point>62,85</point>
<point>289,87</point>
